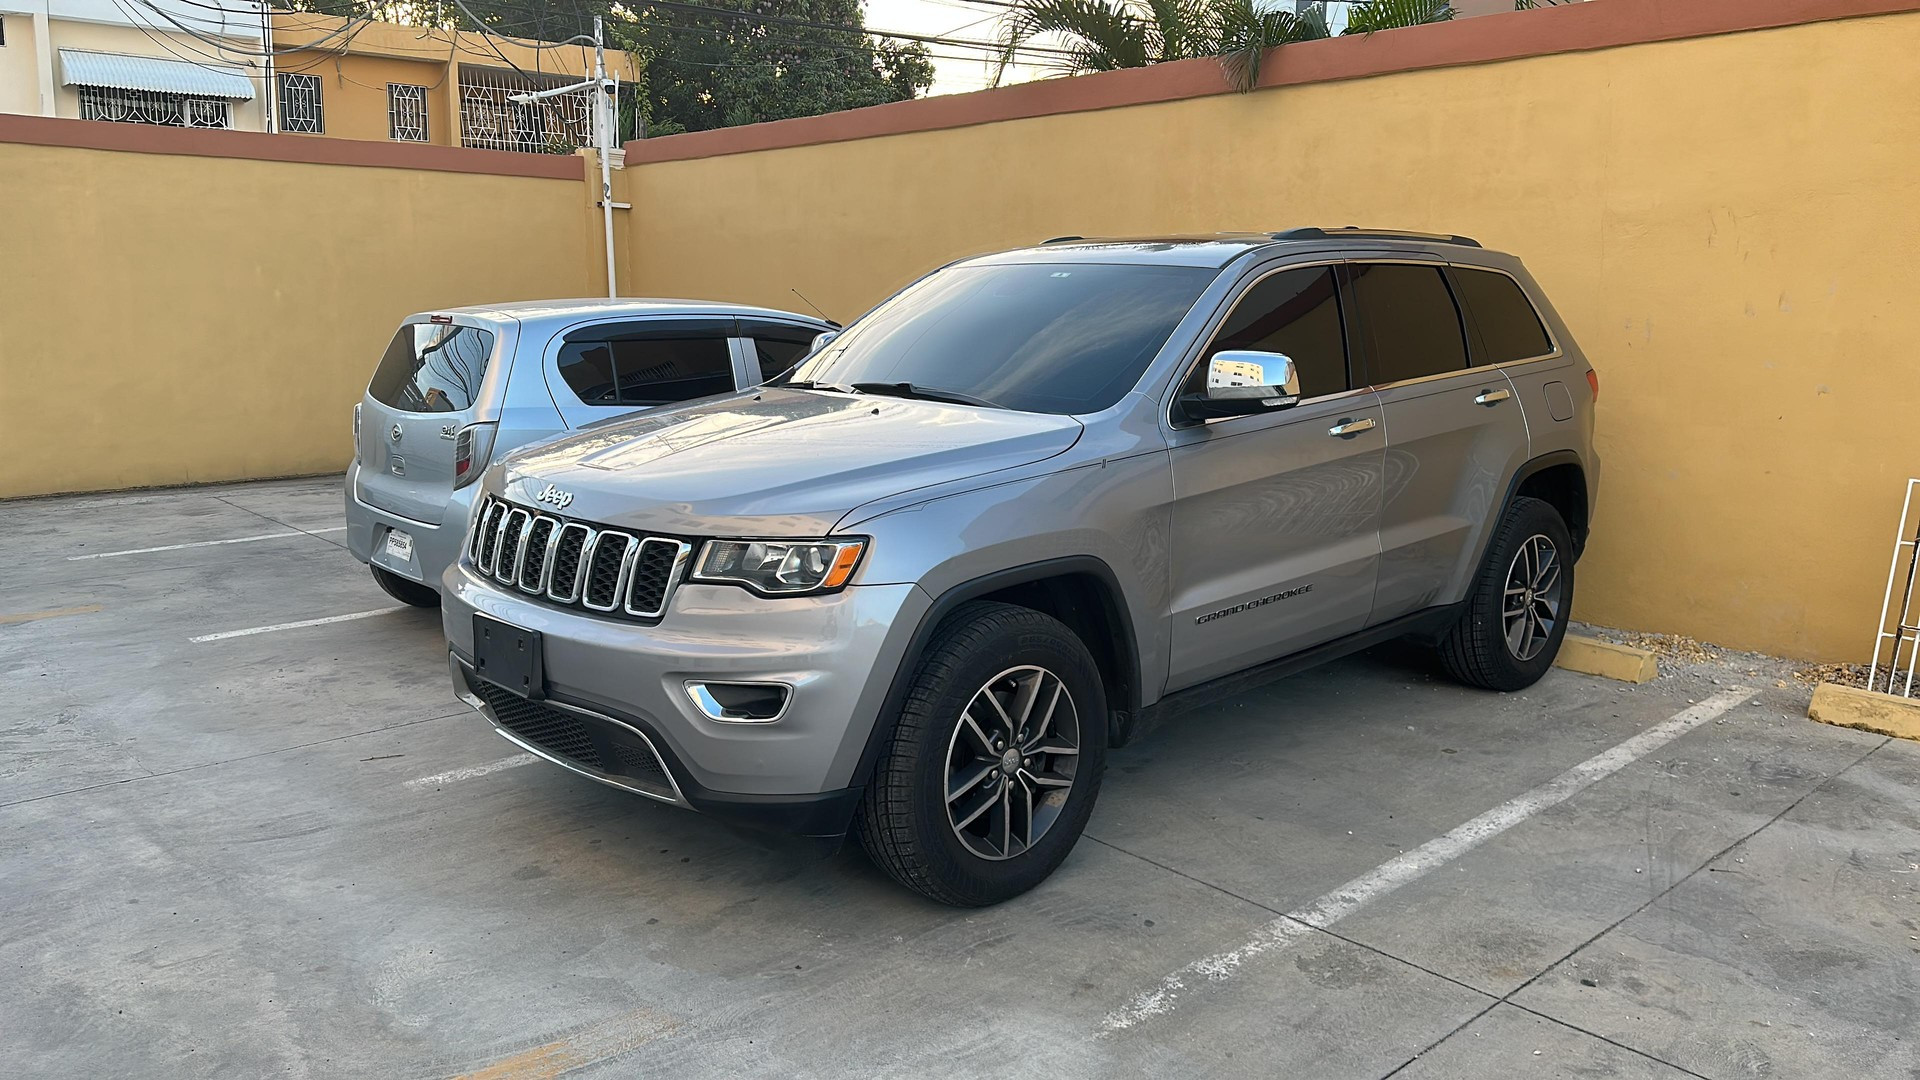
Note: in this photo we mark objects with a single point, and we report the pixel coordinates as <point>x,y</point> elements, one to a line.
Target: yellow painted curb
<point>1882,714</point>
<point>1591,656</point>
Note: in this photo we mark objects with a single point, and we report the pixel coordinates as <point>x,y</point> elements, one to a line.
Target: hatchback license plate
<point>399,545</point>
<point>509,657</point>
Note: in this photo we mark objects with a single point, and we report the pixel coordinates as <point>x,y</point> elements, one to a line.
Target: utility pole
<point>270,83</point>
<point>603,139</point>
<point>604,124</point>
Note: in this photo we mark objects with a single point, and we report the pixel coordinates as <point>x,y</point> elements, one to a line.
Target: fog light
<point>740,702</point>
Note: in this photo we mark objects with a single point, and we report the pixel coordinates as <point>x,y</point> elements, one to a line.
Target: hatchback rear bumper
<point>435,547</point>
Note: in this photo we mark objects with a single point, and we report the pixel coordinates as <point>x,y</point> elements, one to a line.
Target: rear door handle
<point>1492,397</point>
<point>1351,427</point>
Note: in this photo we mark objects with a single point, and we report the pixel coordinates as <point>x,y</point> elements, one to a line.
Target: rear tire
<point>407,592</point>
<point>993,765</point>
<point>1516,614</point>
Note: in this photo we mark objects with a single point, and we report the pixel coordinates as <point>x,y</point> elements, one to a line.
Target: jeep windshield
<point>1038,337</point>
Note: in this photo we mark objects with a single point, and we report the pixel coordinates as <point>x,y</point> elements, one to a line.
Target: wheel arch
<point>1558,479</point>
<point>1082,591</point>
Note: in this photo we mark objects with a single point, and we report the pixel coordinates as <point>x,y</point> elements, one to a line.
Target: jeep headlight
<point>780,567</point>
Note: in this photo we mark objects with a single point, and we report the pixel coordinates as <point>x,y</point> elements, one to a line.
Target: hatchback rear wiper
<point>924,393</point>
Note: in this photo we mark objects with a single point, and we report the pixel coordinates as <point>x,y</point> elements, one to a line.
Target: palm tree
<point>1101,35</point>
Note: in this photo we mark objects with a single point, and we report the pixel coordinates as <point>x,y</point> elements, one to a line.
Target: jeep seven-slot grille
<point>574,563</point>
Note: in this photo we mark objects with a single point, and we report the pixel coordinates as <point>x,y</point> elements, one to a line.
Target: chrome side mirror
<point>1241,382</point>
<point>823,339</point>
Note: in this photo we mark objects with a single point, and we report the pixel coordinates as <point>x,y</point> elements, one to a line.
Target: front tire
<point>407,592</point>
<point>1516,614</point>
<point>994,763</point>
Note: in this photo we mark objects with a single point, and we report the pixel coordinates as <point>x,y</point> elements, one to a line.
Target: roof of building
<point>117,71</point>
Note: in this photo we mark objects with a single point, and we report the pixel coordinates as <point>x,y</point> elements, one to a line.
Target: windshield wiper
<point>804,384</point>
<point>924,393</point>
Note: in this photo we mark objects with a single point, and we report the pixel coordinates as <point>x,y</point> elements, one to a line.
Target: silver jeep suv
<point>1034,501</point>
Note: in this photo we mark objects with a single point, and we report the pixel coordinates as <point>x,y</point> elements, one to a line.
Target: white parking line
<point>204,543</point>
<point>251,630</point>
<point>471,771</point>
<point>1411,865</point>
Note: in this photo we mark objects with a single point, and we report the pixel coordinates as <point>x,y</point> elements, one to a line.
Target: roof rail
<point>1313,233</point>
<point>1060,240</point>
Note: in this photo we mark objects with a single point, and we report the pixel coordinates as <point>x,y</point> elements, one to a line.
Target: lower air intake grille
<point>549,729</point>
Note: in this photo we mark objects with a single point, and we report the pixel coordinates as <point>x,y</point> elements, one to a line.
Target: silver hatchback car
<point>459,388</point>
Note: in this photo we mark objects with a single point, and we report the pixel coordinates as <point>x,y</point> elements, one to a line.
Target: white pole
<point>266,38</point>
<point>603,138</point>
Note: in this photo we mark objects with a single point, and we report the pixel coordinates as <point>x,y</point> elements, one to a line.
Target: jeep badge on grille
<point>554,495</point>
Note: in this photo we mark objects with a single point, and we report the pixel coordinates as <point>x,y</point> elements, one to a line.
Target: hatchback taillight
<point>471,449</point>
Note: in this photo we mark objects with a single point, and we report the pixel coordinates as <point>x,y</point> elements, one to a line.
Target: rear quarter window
<point>432,367</point>
<point>1507,323</point>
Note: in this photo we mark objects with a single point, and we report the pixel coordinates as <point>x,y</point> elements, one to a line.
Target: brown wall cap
<point>260,146</point>
<point>1601,24</point>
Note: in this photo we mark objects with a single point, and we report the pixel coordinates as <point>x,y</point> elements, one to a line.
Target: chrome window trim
<point>591,554</point>
<point>683,551</point>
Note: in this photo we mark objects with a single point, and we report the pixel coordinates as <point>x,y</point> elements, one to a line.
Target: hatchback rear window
<point>432,367</point>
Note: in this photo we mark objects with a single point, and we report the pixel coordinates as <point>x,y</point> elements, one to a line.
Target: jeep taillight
<point>471,449</point>
<point>1593,383</point>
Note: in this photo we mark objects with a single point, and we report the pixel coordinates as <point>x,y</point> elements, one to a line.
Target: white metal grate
<point>1904,632</point>
<point>300,104</point>
<point>153,107</point>
<point>557,125</point>
<point>406,112</point>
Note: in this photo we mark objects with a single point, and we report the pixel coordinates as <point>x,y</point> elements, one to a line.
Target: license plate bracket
<point>399,545</point>
<point>509,657</point>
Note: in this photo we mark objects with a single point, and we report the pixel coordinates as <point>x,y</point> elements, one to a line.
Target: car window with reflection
<point>1056,338</point>
<point>432,367</point>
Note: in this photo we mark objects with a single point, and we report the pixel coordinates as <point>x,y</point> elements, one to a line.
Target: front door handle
<point>1492,397</point>
<point>1351,427</point>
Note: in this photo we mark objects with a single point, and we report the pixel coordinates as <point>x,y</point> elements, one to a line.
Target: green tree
<point>722,70</point>
<point>736,62</point>
<point>1102,35</point>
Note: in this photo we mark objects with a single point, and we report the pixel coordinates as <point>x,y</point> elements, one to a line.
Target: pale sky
<point>955,19</point>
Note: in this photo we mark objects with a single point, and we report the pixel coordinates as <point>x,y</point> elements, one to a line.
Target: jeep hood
<point>773,462</point>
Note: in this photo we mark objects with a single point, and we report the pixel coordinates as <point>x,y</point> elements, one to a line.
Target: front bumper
<point>435,547</point>
<point>623,683</point>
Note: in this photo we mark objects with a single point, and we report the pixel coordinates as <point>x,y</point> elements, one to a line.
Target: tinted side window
<point>1509,328</point>
<point>588,368</point>
<point>659,370</point>
<point>778,346</point>
<point>648,363</point>
<point>1296,312</point>
<point>1412,324</point>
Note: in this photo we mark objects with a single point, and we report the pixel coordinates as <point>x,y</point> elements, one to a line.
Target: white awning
<point>116,71</point>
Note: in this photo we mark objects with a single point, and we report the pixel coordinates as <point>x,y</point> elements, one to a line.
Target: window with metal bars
<point>490,119</point>
<point>153,107</point>
<point>300,104</point>
<point>406,112</point>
